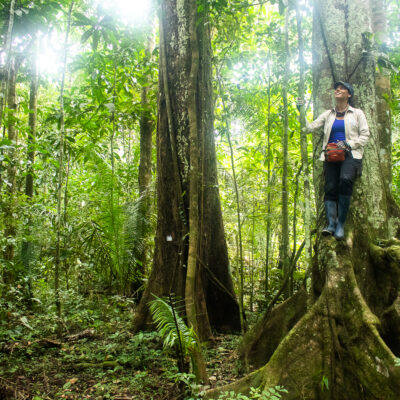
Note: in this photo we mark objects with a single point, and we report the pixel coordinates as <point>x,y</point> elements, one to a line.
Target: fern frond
<point>171,325</point>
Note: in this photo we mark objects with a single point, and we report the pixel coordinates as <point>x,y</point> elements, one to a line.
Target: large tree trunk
<point>344,346</point>
<point>192,274</point>
<point>214,283</point>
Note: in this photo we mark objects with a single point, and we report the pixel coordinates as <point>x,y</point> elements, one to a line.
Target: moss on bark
<point>336,342</point>
<point>259,343</point>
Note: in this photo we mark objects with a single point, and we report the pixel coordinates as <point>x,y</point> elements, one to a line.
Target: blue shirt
<point>337,133</point>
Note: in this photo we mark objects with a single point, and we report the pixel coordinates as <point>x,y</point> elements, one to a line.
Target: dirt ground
<point>116,365</point>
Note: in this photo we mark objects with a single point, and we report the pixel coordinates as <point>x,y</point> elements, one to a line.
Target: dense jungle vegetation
<point>94,187</point>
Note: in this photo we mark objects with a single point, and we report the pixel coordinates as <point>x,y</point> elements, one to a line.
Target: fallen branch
<point>86,334</point>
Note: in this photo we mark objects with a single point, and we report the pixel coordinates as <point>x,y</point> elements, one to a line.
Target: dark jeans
<point>340,177</point>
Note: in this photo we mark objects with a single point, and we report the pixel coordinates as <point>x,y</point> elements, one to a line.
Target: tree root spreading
<point>336,342</point>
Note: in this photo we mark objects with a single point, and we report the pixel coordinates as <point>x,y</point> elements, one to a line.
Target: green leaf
<point>171,325</point>
<point>87,35</point>
<point>82,20</point>
<point>67,385</point>
<point>325,383</point>
<point>95,40</point>
<point>24,321</point>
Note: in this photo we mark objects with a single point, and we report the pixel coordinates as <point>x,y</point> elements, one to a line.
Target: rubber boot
<point>330,210</point>
<point>343,208</point>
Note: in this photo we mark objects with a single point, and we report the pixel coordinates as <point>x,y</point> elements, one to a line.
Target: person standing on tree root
<point>345,135</point>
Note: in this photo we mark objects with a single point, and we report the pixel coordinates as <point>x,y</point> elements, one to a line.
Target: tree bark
<point>60,182</point>
<point>192,274</point>
<point>214,287</point>
<point>5,70</point>
<point>344,347</point>
<point>238,213</point>
<point>10,228</point>
<point>29,180</point>
<point>114,199</point>
<point>268,233</point>
<point>382,88</point>
<point>284,250</point>
<point>139,250</point>
<point>304,143</point>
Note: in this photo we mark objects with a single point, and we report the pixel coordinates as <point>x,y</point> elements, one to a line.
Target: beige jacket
<point>355,126</point>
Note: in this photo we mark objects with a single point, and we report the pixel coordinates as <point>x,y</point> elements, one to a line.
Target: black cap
<point>346,85</point>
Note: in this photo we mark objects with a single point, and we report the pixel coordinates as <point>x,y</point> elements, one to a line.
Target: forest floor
<point>105,362</point>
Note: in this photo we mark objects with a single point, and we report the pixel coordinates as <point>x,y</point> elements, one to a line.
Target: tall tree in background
<point>145,174</point>
<point>304,142</point>
<point>4,72</point>
<point>8,96</point>
<point>213,282</point>
<point>344,347</point>
<point>285,249</point>
<point>10,228</point>
<point>382,88</point>
<point>60,180</point>
<point>29,180</point>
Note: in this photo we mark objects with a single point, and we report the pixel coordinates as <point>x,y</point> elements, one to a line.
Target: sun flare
<point>136,12</point>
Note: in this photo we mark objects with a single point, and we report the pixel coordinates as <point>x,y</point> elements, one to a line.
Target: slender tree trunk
<point>294,229</point>
<point>268,244</point>
<point>114,210</point>
<point>238,212</point>
<point>139,251</point>
<point>252,266</point>
<point>65,265</point>
<point>29,180</point>
<point>4,71</point>
<point>303,141</point>
<point>285,150</point>
<point>382,87</point>
<point>32,128</point>
<point>61,178</point>
<point>10,228</point>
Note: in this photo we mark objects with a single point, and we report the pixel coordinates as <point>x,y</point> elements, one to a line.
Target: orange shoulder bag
<point>334,154</point>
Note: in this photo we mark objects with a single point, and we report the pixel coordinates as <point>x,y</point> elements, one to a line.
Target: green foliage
<point>187,381</point>
<point>141,364</point>
<point>249,56</point>
<point>324,383</point>
<point>102,102</point>
<point>274,393</point>
<point>171,326</point>
<point>108,66</point>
